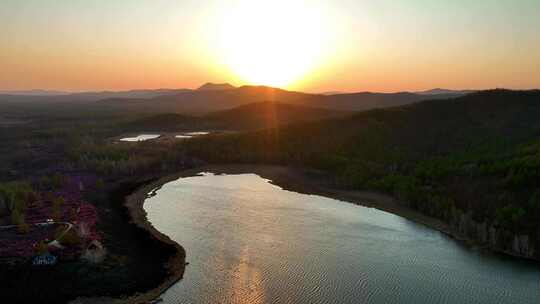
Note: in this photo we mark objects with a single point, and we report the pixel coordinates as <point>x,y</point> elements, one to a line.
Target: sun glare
<point>274,43</point>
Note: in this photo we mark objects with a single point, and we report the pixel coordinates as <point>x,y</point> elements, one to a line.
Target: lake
<point>191,135</point>
<point>248,241</point>
<point>142,137</point>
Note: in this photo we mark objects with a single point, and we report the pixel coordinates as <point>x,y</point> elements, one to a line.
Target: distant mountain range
<point>210,100</point>
<point>97,95</point>
<point>213,97</point>
<point>35,93</point>
<point>436,91</point>
<point>445,91</point>
<point>58,96</point>
<point>333,93</point>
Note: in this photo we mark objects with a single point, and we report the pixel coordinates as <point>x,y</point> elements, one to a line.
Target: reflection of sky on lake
<point>248,241</point>
<point>141,137</point>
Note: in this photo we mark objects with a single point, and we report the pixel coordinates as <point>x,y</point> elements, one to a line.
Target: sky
<point>306,45</point>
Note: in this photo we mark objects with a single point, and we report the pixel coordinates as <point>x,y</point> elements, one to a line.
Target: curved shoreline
<point>311,182</point>
<point>176,264</point>
<point>303,181</point>
<point>307,181</point>
<point>288,178</point>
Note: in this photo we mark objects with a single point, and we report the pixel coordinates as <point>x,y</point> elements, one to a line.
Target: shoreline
<point>133,204</point>
<point>288,178</point>
<point>301,180</point>
<point>176,264</point>
<point>312,182</point>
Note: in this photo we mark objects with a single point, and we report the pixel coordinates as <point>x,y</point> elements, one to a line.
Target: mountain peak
<point>216,87</point>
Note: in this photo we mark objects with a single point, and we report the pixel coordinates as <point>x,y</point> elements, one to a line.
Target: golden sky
<point>309,45</point>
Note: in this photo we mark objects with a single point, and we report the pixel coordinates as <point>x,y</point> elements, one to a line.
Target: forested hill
<point>207,99</point>
<point>268,114</point>
<point>473,161</point>
<point>260,115</point>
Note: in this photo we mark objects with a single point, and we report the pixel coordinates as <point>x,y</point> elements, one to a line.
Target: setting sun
<point>274,43</point>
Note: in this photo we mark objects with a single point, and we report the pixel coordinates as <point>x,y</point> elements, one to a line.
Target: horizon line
<point>36,91</point>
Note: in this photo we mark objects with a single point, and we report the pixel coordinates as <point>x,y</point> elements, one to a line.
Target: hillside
<point>269,115</point>
<point>367,100</point>
<point>245,117</point>
<point>135,103</point>
<point>205,101</point>
<point>471,161</point>
<point>164,122</point>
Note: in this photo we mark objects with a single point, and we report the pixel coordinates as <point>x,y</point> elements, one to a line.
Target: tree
<point>70,238</point>
<point>49,197</point>
<point>534,204</point>
<point>100,184</point>
<point>57,208</point>
<point>509,215</point>
<point>41,248</point>
<point>32,199</point>
<point>57,181</point>
<point>73,214</point>
<point>23,228</point>
<point>59,201</point>
<point>45,183</point>
<point>16,217</point>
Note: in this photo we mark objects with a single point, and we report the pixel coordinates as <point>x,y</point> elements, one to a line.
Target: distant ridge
<point>216,87</point>
<point>35,92</point>
<point>213,97</point>
<point>333,93</point>
<point>438,91</point>
<point>259,115</point>
<point>57,96</point>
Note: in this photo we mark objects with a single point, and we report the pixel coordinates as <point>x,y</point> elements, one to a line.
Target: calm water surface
<point>249,241</point>
<point>191,134</point>
<point>142,137</point>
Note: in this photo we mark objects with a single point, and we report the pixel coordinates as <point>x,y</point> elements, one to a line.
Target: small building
<point>45,259</point>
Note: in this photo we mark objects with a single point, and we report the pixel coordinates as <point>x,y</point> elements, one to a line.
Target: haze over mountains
<point>213,97</point>
<point>437,91</point>
<point>217,97</point>
<point>59,96</point>
<point>35,92</point>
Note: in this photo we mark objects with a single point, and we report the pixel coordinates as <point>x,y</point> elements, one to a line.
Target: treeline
<point>474,157</point>
<point>111,159</point>
<point>19,196</point>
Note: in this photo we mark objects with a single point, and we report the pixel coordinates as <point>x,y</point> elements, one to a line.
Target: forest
<point>472,161</point>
